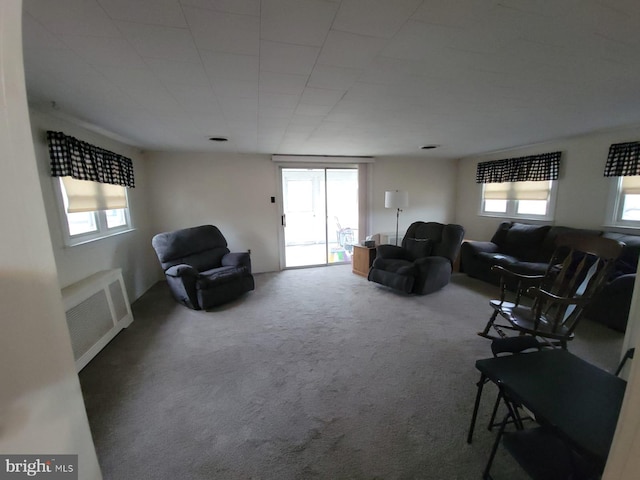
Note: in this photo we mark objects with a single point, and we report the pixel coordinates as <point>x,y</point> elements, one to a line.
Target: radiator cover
<point>97,308</point>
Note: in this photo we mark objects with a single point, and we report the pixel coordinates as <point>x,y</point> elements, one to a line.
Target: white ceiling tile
<point>154,12</point>
<point>240,7</point>
<point>307,120</point>
<point>72,17</point>
<point>236,107</point>
<point>209,124</point>
<point>452,13</point>
<point>229,87</point>
<point>282,83</point>
<point>287,58</point>
<point>329,77</point>
<point>183,73</point>
<point>155,41</point>
<point>308,110</point>
<point>299,130</point>
<point>321,96</point>
<point>195,99</point>
<point>269,99</point>
<point>275,113</point>
<point>130,77</point>
<point>36,36</point>
<point>348,50</point>
<point>224,32</point>
<point>230,65</point>
<point>375,18</point>
<point>301,22</point>
<point>154,99</point>
<point>104,50</point>
<point>420,41</point>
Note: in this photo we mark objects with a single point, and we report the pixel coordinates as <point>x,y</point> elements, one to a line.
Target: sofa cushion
<point>497,259</point>
<point>418,247</point>
<point>524,241</point>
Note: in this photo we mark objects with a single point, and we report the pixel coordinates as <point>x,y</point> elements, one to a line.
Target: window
<point>522,187</point>
<point>529,199</point>
<point>623,167</point>
<point>624,208</point>
<point>92,210</point>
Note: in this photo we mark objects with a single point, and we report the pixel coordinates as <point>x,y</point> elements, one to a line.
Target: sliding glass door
<point>320,215</point>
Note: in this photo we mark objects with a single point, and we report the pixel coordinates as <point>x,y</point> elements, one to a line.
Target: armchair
<point>423,264</point>
<point>200,269</point>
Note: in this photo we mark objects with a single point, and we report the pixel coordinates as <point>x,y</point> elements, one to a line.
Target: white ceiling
<point>350,77</point>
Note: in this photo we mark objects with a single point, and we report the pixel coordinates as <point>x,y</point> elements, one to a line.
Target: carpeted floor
<point>317,374</point>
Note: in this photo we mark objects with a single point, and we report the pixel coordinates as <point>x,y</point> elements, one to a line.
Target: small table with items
<point>363,259</point>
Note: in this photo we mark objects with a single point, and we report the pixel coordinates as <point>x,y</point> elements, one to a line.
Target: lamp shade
<point>396,199</point>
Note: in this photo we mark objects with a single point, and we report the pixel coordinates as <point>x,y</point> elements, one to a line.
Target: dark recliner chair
<point>424,262</point>
<point>200,270</point>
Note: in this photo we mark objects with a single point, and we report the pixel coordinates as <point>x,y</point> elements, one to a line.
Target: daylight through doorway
<point>320,215</point>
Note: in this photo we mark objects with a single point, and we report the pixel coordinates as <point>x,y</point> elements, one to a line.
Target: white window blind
<point>533,190</point>
<point>87,196</point>
<point>631,185</point>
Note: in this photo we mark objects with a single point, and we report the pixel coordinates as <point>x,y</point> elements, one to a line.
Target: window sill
<point>612,227</point>
<point>69,243</point>
<point>542,220</point>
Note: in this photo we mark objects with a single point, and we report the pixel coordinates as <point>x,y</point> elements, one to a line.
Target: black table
<point>579,400</point>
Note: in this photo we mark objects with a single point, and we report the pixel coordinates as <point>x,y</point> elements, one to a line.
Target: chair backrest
<point>201,247</point>
<point>578,269</point>
<point>445,239</point>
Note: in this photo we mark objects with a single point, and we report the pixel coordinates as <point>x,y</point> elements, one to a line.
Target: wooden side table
<point>363,259</point>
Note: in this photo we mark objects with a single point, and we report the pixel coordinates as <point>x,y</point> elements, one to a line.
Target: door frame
<point>362,202</point>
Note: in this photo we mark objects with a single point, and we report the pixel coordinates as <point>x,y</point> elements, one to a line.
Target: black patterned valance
<point>623,160</point>
<point>522,169</point>
<point>71,157</point>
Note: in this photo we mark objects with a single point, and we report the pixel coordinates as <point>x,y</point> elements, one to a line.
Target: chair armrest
<point>623,283</point>
<point>237,259</point>
<point>180,270</point>
<point>390,251</point>
<point>477,247</point>
<point>548,296</point>
<point>519,276</point>
<point>523,282</point>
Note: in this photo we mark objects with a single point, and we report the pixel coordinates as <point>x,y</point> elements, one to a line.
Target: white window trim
<point>101,221</point>
<point>614,207</point>
<point>511,212</point>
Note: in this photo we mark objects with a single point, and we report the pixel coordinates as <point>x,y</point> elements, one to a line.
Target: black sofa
<point>526,249</point>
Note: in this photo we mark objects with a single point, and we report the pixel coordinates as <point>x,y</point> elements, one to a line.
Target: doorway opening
<point>320,215</point>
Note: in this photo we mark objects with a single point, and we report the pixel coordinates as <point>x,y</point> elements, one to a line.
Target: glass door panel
<point>342,213</point>
<point>320,220</point>
<point>305,238</point>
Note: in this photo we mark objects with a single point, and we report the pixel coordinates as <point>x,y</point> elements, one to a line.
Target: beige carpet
<point>317,374</point>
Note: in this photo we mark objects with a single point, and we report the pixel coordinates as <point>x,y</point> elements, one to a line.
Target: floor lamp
<point>396,199</point>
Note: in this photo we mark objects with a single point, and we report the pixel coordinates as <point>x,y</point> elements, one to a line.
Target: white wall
<point>431,184</point>
<point>40,399</point>
<point>129,251</point>
<point>233,192</point>
<point>230,191</point>
<point>583,191</point>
